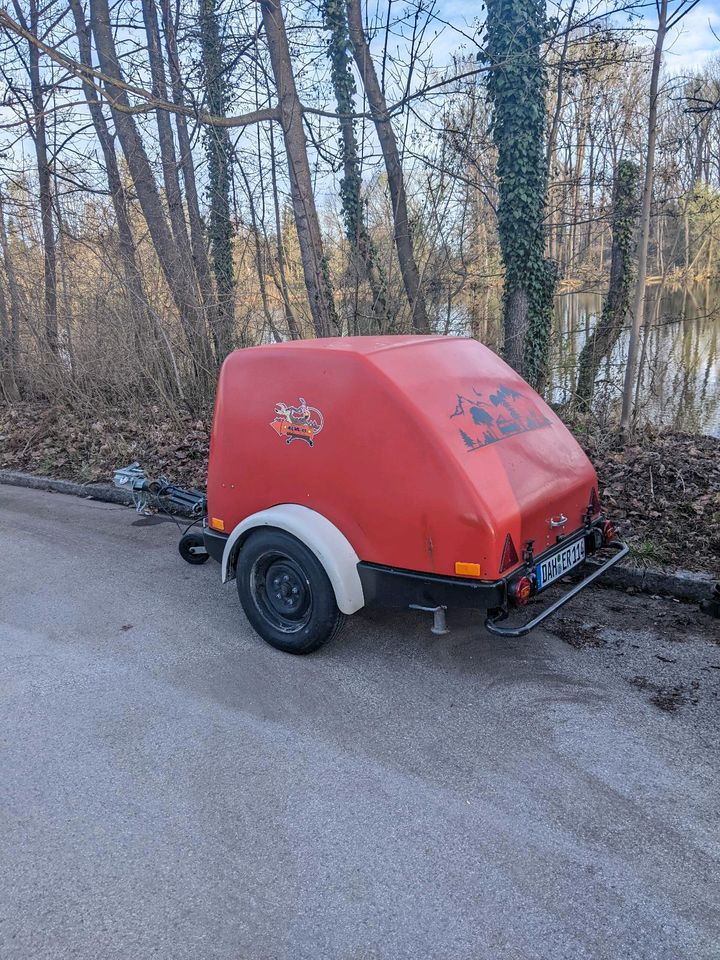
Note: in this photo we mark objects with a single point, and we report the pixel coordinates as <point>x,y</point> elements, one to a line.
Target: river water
<point>680,358</point>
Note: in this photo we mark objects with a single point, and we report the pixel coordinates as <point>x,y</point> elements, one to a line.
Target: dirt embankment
<point>663,489</point>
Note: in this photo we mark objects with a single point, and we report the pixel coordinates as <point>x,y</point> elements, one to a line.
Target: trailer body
<point>443,473</point>
<point>431,451</point>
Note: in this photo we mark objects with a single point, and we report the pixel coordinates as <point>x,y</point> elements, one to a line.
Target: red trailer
<point>419,471</point>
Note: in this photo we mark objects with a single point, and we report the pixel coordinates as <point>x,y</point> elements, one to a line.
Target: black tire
<point>285,592</point>
<point>190,542</point>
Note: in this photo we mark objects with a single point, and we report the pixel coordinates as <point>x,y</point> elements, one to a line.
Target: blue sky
<point>690,45</point>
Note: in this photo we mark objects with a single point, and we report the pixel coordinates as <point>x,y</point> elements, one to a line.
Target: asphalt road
<point>172,787</point>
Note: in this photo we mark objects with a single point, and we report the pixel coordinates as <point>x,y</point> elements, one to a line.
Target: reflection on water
<point>680,367</point>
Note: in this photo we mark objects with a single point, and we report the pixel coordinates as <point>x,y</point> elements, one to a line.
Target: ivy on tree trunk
<point>219,153</point>
<point>353,209</point>
<point>607,331</point>
<point>516,90</point>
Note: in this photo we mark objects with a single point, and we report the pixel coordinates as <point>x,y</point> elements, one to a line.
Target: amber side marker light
<point>217,524</point>
<point>467,569</point>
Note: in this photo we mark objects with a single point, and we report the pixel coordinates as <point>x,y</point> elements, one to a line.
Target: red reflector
<point>509,554</point>
<point>594,502</point>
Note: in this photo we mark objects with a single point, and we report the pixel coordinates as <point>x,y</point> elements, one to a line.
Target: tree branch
<point>88,74</point>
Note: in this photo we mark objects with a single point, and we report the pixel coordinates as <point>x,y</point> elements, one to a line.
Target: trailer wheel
<point>285,592</point>
<point>192,548</point>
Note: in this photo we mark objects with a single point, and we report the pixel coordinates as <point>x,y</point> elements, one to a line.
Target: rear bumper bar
<point>214,543</point>
<point>393,587</point>
<point>492,622</point>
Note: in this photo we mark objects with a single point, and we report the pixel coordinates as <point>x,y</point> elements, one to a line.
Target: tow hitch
<point>147,493</point>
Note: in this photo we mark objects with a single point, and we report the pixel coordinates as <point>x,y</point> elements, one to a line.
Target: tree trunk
<point>39,137</point>
<point>259,266</point>
<point>192,247</point>
<point>364,252</point>
<point>551,146</point>
<point>218,149</point>
<point>220,309</point>
<point>8,387</point>
<point>393,167</point>
<point>559,91</point>
<point>516,328</point>
<point>13,322</point>
<point>608,328</point>
<point>516,90</point>
<point>639,299</point>
<point>696,175</point>
<point>172,262</point>
<point>145,321</point>
<point>166,140</point>
<point>591,193</point>
<point>290,318</point>
<point>583,125</point>
<point>315,266</point>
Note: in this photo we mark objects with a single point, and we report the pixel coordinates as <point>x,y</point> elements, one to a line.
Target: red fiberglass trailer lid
<point>423,451</point>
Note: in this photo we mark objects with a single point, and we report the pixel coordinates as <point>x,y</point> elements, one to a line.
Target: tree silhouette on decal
<point>508,413</point>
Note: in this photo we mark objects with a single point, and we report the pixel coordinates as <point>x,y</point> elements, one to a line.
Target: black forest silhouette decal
<point>502,414</point>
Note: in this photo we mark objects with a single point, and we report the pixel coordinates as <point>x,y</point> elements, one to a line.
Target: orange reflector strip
<point>217,524</point>
<point>467,569</point>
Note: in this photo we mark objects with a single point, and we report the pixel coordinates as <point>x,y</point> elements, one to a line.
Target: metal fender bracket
<point>492,623</point>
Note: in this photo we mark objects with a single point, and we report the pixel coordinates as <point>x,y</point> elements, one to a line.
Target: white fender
<point>329,545</point>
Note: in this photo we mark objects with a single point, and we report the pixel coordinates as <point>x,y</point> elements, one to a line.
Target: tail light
<point>608,532</point>
<point>520,591</point>
<point>509,555</point>
<point>594,502</point>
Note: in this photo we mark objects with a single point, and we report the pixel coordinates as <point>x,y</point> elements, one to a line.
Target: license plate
<point>559,563</point>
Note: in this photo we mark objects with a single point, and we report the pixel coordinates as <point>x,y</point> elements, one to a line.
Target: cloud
<point>692,42</point>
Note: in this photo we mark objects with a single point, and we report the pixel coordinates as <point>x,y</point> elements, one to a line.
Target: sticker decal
<point>503,414</point>
<point>297,423</point>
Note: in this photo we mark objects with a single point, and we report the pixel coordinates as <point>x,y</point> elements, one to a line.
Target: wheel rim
<point>281,592</point>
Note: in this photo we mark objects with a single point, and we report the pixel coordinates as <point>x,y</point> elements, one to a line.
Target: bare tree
<point>168,154</point>
<point>9,337</point>
<point>219,152</point>
<point>315,264</point>
<point>38,132</point>
<point>145,322</point>
<point>393,166</point>
<point>8,387</point>
<point>219,311</point>
<point>173,261</point>
<point>665,23</point>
